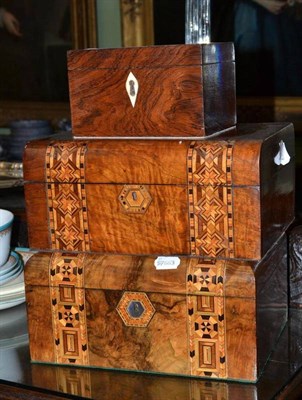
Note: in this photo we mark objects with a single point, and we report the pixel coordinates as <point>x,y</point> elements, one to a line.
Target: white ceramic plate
<point>12,293</point>
<point>13,287</point>
<point>12,274</point>
<point>11,263</point>
<point>11,303</point>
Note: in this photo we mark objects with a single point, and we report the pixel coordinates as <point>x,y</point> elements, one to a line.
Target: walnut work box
<point>175,90</point>
<point>222,197</point>
<point>206,318</point>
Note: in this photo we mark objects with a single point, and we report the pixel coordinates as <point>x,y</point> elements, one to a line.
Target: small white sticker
<point>282,157</point>
<point>167,262</point>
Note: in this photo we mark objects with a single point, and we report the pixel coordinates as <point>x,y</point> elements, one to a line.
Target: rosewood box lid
<point>173,91</point>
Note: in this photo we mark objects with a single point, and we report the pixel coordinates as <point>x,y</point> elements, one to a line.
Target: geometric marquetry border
<point>66,196</point>
<point>209,171</point>
<point>67,299</point>
<point>206,318</point>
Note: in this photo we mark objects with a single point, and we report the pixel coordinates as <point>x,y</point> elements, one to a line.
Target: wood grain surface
<point>157,56</point>
<point>245,293</point>
<point>182,90</point>
<point>136,273</point>
<point>208,198</point>
<point>162,346</point>
<point>40,329</point>
<point>241,338</point>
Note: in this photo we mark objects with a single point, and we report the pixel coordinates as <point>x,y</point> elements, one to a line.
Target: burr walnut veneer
<point>221,197</point>
<point>206,318</point>
<point>178,90</point>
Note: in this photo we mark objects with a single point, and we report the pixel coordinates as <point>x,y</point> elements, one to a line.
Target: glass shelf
<point>16,368</point>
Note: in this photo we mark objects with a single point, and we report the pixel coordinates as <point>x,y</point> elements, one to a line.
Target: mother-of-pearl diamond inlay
<point>132,87</point>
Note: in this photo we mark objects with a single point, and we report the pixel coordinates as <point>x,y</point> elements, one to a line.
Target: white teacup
<point>6,226</point>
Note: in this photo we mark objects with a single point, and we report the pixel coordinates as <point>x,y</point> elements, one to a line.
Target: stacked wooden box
<point>161,224</point>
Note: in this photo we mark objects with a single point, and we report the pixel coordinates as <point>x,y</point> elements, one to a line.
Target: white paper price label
<point>167,262</point>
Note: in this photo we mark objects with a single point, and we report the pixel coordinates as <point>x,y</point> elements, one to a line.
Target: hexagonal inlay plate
<point>135,198</point>
<point>135,309</point>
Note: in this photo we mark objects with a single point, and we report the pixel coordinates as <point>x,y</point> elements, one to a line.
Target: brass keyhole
<point>134,196</point>
<point>132,87</point>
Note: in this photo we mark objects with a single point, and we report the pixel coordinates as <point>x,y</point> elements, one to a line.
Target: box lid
<point>143,274</point>
<point>155,56</point>
<point>234,158</point>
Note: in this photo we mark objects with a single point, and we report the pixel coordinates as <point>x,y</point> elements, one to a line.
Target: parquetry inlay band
<point>66,195</point>
<point>206,318</point>
<point>210,199</point>
<point>67,295</point>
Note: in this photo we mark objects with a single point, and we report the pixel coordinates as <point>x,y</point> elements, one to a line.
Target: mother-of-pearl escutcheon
<point>132,88</point>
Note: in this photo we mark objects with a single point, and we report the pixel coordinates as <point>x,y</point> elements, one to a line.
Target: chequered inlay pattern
<point>210,199</point>
<point>67,294</point>
<point>66,196</point>
<point>206,318</point>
